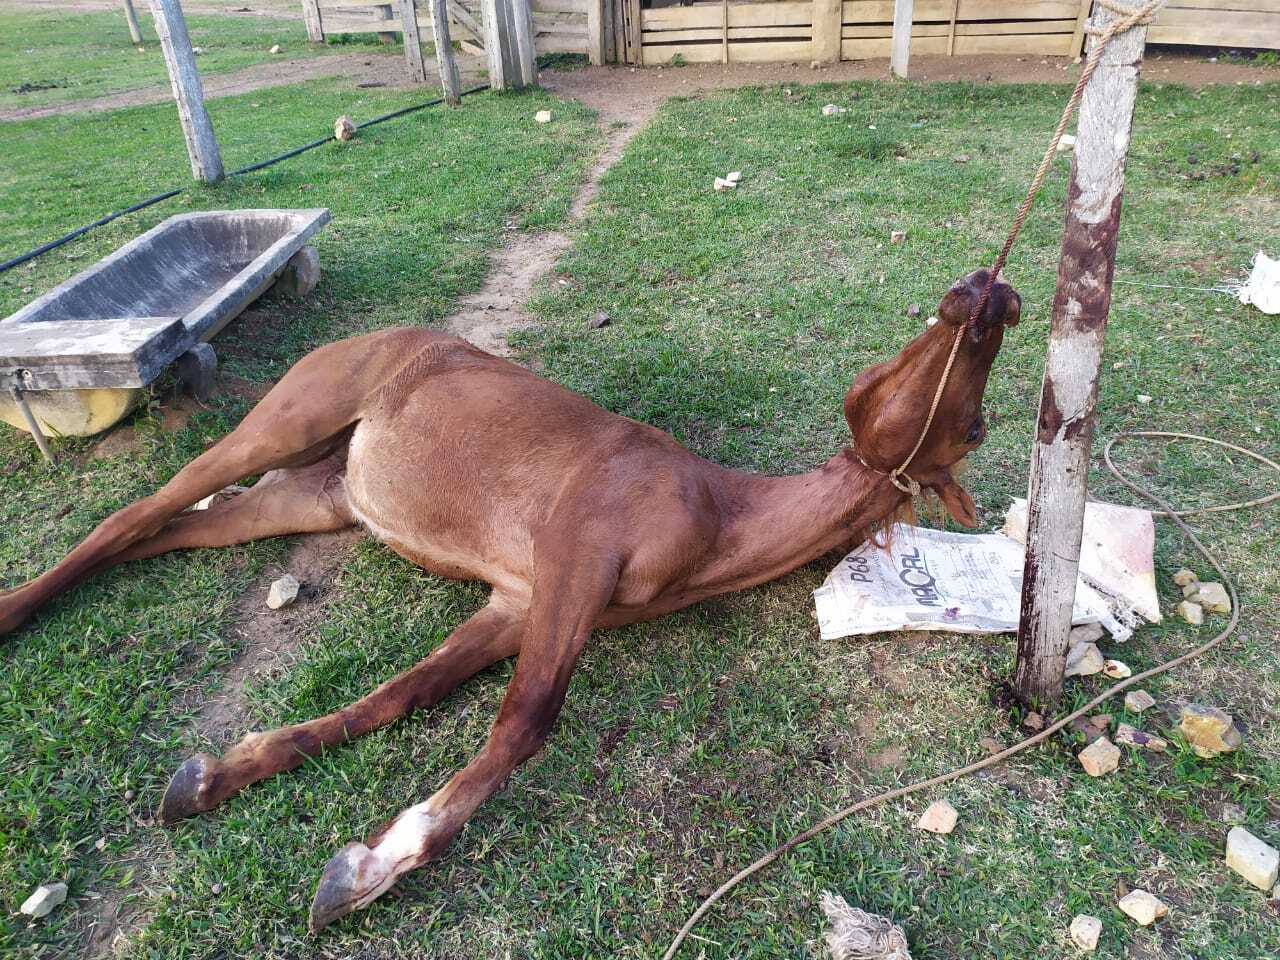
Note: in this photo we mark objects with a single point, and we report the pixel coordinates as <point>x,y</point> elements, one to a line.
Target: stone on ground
<point>831,110</point>
<point>941,817</point>
<point>1255,860</point>
<point>542,116</point>
<point>1210,731</point>
<point>1212,597</point>
<point>283,592</point>
<point>1191,612</point>
<point>1117,670</point>
<point>1133,737</point>
<point>276,49</point>
<point>734,176</point>
<point>1083,660</point>
<point>601,319</point>
<point>1184,577</point>
<point>1233,814</point>
<point>1085,633</point>
<point>1100,757</point>
<point>1135,701</point>
<point>344,128</point>
<point>1144,908</point>
<point>300,275</point>
<point>897,236</point>
<point>1085,931</point>
<point>721,185</point>
<point>44,899</point>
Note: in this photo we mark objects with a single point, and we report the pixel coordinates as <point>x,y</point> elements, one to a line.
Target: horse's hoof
<point>352,879</point>
<point>188,792</point>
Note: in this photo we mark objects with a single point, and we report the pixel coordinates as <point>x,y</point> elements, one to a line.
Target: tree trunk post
<point>903,11</point>
<point>1064,428</point>
<point>311,16</point>
<point>412,41</point>
<point>202,145</point>
<point>445,62</point>
<point>131,15</point>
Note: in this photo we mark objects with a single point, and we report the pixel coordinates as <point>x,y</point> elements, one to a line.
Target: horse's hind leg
<point>301,421</point>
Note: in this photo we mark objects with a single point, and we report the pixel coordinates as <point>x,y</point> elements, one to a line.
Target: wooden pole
<point>827,19</point>
<point>526,53</point>
<point>1077,36</point>
<point>202,145</point>
<point>135,32</point>
<point>496,48</point>
<point>724,31</point>
<point>311,14</point>
<point>596,33</point>
<point>412,41</point>
<point>902,16</point>
<point>951,30</point>
<point>1060,455</point>
<point>445,63</point>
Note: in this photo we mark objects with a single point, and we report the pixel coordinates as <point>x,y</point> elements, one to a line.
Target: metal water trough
<point>118,324</point>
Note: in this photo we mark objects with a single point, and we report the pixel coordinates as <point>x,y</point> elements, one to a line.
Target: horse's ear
<point>957,501</point>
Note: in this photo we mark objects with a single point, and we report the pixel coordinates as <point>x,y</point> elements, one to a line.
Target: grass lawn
<point>56,56</point>
<point>690,745</point>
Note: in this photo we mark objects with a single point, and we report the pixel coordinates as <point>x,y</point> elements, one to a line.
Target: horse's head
<point>888,405</point>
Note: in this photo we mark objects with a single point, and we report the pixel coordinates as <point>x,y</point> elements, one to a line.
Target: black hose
<point>143,204</point>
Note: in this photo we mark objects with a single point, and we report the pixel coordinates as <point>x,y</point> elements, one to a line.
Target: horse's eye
<point>975,432</point>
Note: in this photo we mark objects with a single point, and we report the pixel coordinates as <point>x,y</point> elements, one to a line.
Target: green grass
<point>690,745</point>
<point>56,56</point>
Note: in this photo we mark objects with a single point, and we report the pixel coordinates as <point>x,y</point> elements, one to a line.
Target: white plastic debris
<point>734,176</point>
<point>1262,289</point>
<point>934,580</point>
<point>857,935</point>
<point>542,116</point>
<point>1116,559</point>
<point>831,110</point>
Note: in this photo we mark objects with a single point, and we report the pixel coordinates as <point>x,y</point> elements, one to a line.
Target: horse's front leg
<point>566,604</point>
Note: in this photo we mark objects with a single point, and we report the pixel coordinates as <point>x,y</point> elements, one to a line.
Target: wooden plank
<point>716,34</point>
<point>413,42</point>
<point>311,16</point>
<point>881,11</point>
<point>1077,33</point>
<point>900,53</point>
<point>131,16</point>
<point>562,6</point>
<point>1217,35</point>
<point>202,145</point>
<point>826,30</point>
<point>951,28</point>
<point>334,25</point>
<point>1257,6</point>
<point>596,31</point>
<point>633,32</point>
<point>1054,45</point>
<point>445,63</point>
<point>962,29</point>
<point>526,52</point>
<point>1073,363</point>
<point>740,15</point>
<point>766,52</point>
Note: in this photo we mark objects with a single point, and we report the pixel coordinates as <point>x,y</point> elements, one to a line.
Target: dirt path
<point>361,69</point>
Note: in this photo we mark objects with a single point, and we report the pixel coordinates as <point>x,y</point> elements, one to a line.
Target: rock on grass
<point>1135,701</point>
<point>941,817</point>
<point>1191,612</point>
<point>1256,861</point>
<point>1100,757</point>
<point>1085,931</point>
<point>1084,660</point>
<point>1142,907</point>
<point>1208,730</point>
<point>42,902</point>
<point>283,592</point>
<point>1133,737</point>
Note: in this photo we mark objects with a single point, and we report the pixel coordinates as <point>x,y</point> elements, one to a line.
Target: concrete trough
<point>82,353</point>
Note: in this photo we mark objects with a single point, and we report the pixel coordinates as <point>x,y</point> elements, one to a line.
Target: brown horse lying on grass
<point>475,468</point>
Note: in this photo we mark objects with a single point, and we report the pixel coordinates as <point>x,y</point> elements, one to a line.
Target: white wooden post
<point>828,17</point>
<point>1064,433</point>
<point>508,42</point>
<point>135,32</point>
<point>412,41</point>
<point>445,62</point>
<point>202,145</point>
<point>311,15</point>
<point>902,14</point>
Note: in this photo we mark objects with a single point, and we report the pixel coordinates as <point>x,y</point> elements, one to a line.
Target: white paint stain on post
<point>1060,456</point>
<point>202,145</point>
<point>902,16</point>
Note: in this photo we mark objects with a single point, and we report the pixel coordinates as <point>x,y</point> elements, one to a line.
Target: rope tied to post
<point>1127,18</point>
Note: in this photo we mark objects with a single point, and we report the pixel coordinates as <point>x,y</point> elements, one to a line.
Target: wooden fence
<point>803,30</point>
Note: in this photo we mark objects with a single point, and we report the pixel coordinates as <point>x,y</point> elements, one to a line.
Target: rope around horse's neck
<point>1127,17</point>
